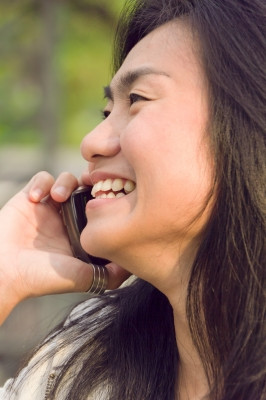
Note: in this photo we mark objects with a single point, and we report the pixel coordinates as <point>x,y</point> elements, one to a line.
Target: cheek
<point>166,128</point>
<point>142,140</point>
<point>167,149</point>
<point>174,180</point>
<point>149,143</point>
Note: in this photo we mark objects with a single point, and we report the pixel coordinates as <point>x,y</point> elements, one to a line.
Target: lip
<point>96,203</point>
<point>90,179</point>
<point>96,176</point>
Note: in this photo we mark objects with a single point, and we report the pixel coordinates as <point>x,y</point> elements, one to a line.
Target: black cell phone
<point>75,220</point>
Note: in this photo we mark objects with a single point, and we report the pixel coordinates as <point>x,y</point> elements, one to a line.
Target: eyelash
<point>133,98</point>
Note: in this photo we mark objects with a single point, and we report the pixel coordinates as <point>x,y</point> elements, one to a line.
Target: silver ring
<point>100,279</point>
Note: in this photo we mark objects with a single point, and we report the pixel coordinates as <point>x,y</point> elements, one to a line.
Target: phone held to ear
<point>75,220</point>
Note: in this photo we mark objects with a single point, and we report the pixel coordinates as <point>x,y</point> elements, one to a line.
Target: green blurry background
<point>55,58</point>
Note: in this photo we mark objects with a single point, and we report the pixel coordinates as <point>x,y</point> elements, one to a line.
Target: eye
<point>134,97</point>
<point>105,113</point>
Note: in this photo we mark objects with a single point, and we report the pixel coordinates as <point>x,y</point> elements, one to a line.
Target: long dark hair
<point>132,351</point>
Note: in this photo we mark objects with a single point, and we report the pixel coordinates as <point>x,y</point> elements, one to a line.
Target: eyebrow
<point>127,79</point>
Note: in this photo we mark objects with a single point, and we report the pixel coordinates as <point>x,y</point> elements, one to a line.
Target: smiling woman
<point>163,75</point>
<point>177,171</point>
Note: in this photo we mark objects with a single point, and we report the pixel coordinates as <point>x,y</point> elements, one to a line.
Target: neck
<point>192,383</point>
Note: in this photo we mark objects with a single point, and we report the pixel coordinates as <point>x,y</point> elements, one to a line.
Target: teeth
<point>110,195</point>
<point>106,185</point>
<point>129,186</point>
<point>120,194</point>
<point>96,188</point>
<point>116,185</point>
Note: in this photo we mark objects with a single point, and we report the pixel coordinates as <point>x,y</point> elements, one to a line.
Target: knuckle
<point>67,178</point>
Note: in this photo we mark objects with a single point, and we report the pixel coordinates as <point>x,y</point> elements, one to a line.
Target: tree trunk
<point>49,84</point>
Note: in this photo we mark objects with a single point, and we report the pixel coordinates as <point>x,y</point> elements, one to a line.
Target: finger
<point>39,186</point>
<point>65,274</point>
<point>74,275</point>
<point>63,187</point>
<point>56,273</point>
<point>85,178</point>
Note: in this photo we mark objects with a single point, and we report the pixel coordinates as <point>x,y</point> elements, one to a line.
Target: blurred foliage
<point>55,59</point>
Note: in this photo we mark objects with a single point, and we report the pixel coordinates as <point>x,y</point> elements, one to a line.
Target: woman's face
<point>154,136</point>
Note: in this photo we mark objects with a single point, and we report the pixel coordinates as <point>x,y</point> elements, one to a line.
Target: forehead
<point>170,49</point>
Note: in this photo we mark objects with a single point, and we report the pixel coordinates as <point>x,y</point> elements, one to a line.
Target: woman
<point>184,126</point>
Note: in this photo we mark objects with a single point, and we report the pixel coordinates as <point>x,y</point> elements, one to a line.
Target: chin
<point>94,244</point>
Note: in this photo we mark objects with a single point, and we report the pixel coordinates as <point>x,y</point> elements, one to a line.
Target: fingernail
<point>61,190</point>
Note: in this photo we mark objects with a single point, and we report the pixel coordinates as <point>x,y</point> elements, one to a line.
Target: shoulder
<point>90,312</point>
<point>32,380</point>
<point>87,307</point>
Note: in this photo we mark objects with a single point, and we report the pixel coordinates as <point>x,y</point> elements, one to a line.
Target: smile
<point>112,188</point>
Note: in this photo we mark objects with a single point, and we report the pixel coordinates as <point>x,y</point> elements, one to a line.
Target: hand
<point>35,254</point>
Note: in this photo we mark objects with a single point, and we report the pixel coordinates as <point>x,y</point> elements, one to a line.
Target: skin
<point>155,135</point>
<point>159,141</point>
<point>152,142</point>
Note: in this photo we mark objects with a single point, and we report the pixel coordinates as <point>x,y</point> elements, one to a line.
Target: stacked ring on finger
<point>100,279</point>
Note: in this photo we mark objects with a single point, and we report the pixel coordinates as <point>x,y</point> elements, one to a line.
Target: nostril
<point>95,155</point>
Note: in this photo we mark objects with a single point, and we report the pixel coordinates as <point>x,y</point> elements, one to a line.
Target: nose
<point>100,142</point>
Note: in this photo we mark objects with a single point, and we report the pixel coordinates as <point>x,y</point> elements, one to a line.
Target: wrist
<point>7,304</point>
